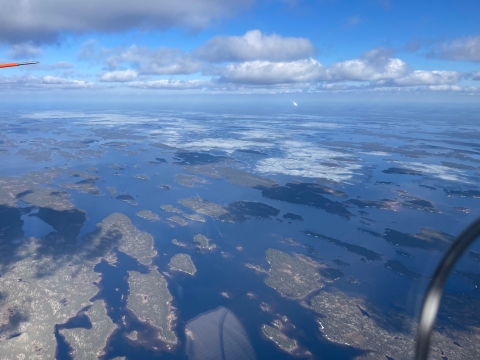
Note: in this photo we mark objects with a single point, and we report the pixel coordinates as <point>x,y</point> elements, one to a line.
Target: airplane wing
<point>18,64</point>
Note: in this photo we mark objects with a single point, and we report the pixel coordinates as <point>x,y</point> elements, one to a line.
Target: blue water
<point>309,137</point>
<point>33,226</point>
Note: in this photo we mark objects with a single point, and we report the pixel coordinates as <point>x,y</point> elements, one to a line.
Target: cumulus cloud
<point>464,49</point>
<point>146,61</point>
<point>65,83</point>
<point>255,46</point>
<point>46,20</point>
<point>251,62</point>
<point>375,64</point>
<point>7,81</point>
<point>163,61</point>
<point>46,82</point>
<point>374,68</point>
<point>170,84</point>
<point>377,67</point>
<point>384,88</point>
<point>25,51</point>
<point>422,77</point>
<point>360,70</point>
<point>119,76</point>
<point>457,88</point>
<point>269,73</point>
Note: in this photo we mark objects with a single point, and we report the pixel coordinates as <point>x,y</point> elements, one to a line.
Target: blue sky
<point>248,46</point>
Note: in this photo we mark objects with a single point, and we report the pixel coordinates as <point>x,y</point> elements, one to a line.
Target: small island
<point>149,215</point>
<point>282,341</point>
<point>178,220</point>
<point>202,242</point>
<point>178,243</point>
<point>184,263</point>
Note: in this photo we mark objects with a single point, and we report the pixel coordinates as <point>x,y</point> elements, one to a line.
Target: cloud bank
<point>46,20</point>
<point>30,82</point>
<point>255,46</point>
<point>267,73</point>
<point>252,61</point>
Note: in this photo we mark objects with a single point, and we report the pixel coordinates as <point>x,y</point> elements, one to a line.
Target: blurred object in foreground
<point>18,64</point>
<point>217,334</point>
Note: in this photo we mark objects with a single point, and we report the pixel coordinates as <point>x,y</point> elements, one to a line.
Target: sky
<point>358,47</point>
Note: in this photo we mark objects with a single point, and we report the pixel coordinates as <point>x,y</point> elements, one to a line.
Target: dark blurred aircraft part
<point>433,297</point>
<point>217,334</point>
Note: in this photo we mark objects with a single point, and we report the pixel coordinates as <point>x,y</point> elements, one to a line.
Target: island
<point>280,339</point>
<point>149,215</point>
<point>357,322</point>
<point>150,301</point>
<point>184,263</point>
<point>292,276</point>
<point>178,220</point>
<point>202,242</point>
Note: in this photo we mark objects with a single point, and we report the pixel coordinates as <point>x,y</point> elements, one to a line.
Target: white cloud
<point>25,51</point>
<point>375,68</point>
<point>384,87</point>
<point>469,89</point>
<point>47,82</point>
<point>162,61</point>
<point>255,63</point>
<point>332,87</point>
<point>170,84</point>
<point>65,83</point>
<point>6,81</point>
<point>463,49</point>
<point>375,64</point>
<point>46,20</point>
<point>422,77</point>
<point>269,73</point>
<point>360,70</point>
<point>119,76</point>
<point>255,46</point>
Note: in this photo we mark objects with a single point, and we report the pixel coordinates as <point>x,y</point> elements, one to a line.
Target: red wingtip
<point>8,65</point>
<point>18,64</point>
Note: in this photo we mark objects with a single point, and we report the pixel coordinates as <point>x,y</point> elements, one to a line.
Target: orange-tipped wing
<point>8,65</point>
<point>18,64</point>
